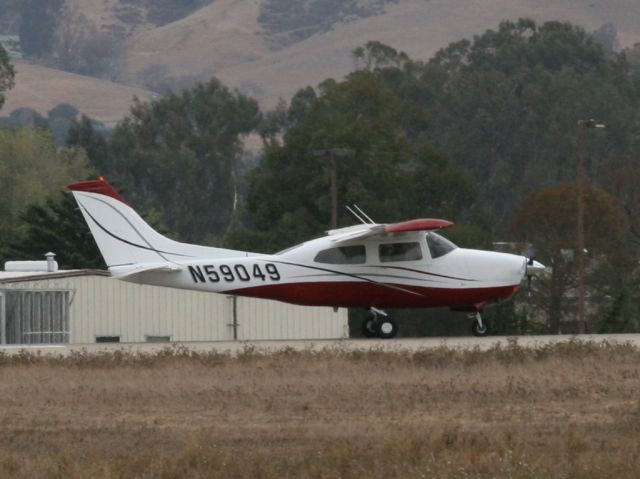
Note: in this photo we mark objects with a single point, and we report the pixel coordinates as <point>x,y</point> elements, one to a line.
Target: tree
<point>377,55</point>
<point>389,176</point>
<point>504,106</point>
<point>7,74</point>
<point>607,37</point>
<point>24,117</point>
<point>632,55</point>
<point>31,169</point>
<point>82,133</point>
<point>38,25</point>
<point>80,47</point>
<point>547,219</point>
<point>300,104</point>
<point>60,119</point>
<point>58,226</point>
<point>178,155</point>
<point>73,29</point>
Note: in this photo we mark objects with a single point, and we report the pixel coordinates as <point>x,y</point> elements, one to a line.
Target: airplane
<point>369,265</point>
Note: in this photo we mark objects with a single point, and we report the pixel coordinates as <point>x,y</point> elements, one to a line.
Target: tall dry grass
<point>569,410</point>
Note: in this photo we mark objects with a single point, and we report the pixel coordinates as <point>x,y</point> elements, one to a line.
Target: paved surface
<point>408,344</point>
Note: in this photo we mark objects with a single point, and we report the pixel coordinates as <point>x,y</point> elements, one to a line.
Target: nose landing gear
<point>479,327</point>
<point>379,324</point>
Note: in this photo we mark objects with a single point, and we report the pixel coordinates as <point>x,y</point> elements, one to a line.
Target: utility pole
<point>334,153</point>
<point>582,125</point>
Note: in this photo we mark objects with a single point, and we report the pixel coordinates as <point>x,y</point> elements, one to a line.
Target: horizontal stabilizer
<point>122,272</point>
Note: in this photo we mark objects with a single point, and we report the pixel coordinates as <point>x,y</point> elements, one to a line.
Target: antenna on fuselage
<point>364,214</point>
<point>366,219</point>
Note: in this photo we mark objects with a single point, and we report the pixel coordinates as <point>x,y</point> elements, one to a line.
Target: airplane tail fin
<point>123,237</point>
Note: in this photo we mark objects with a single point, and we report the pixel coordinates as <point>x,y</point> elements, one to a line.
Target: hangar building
<point>87,306</point>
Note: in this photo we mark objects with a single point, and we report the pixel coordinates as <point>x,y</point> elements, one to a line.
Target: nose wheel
<point>379,324</point>
<point>479,327</point>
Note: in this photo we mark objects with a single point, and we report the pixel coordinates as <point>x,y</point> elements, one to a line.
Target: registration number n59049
<point>236,272</point>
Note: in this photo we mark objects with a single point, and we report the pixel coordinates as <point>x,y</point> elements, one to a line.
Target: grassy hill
<point>271,48</point>
<point>269,55</point>
<point>41,89</point>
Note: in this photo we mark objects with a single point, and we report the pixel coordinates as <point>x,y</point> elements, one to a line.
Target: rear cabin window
<point>342,255</point>
<point>439,246</point>
<point>400,252</point>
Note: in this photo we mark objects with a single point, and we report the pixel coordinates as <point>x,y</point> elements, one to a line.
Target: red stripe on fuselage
<point>360,294</point>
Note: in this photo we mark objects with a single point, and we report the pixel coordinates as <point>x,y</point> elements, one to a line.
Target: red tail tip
<point>99,186</point>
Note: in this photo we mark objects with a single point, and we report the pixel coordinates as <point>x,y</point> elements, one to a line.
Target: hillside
<point>226,39</point>
<point>271,48</point>
<point>41,89</point>
<point>206,43</point>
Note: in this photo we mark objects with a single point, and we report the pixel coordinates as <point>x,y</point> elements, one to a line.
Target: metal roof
<point>19,276</point>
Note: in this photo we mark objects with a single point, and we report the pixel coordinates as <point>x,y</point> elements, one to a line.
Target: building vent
<point>50,265</point>
<point>107,339</point>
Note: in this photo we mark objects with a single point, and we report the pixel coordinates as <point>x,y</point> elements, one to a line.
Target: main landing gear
<point>379,324</point>
<point>479,327</point>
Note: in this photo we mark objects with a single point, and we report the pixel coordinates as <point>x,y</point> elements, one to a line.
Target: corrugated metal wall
<point>101,306</point>
<point>261,319</point>
<point>106,307</point>
<point>35,317</point>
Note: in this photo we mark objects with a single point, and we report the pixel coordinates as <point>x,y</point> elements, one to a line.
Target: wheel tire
<point>478,331</point>
<point>369,329</point>
<point>387,328</point>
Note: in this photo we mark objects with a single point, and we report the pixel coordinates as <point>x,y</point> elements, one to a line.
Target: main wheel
<point>387,328</point>
<point>478,330</point>
<point>369,329</point>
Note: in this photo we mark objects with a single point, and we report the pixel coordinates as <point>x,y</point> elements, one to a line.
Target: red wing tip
<point>422,224</point>
<point>99,186</point>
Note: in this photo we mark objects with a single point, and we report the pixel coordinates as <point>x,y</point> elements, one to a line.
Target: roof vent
<point>50,265</point>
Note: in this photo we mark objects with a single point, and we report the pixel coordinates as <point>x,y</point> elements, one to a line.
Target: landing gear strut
<point>379,324</point>
<point>479,327</point>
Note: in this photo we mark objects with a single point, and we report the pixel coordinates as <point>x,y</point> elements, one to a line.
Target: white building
<point>87,306</point>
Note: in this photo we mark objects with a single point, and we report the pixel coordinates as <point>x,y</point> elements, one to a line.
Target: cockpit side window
<point>342,255</point>
<point>438,245</point>
<point>400,252</point>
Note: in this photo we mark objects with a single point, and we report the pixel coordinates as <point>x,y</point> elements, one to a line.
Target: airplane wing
<point>361,231</point>
<point>122,272</point>
<point>368,231</point>
<point>422,224</point>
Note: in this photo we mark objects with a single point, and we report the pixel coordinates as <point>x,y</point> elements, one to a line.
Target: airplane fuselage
<point>461,277</point>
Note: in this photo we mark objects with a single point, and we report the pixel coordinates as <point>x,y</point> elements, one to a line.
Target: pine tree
<point>56,226</point>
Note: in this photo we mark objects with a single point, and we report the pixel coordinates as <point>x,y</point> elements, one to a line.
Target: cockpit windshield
<point>438,245</point>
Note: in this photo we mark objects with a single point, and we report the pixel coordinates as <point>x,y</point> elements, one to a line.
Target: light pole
<point>582,125</point>
<point>334,153</point>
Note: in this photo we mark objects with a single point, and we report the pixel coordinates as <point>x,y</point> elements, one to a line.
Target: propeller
<point>533,268</point>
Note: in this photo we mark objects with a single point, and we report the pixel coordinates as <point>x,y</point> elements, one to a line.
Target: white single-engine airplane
<point>370,265</point>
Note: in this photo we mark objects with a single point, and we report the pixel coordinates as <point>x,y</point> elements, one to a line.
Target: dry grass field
<point>566,410</point>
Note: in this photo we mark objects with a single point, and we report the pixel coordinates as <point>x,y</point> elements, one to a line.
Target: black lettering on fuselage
<point>196,274</point>
<point>238,272</point>
<point>213,276</point>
